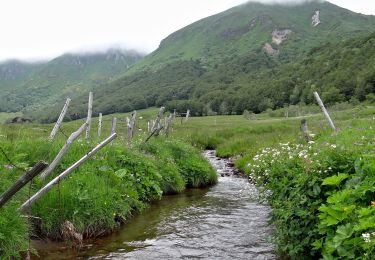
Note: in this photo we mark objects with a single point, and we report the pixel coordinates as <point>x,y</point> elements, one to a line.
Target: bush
<point>322,195</point>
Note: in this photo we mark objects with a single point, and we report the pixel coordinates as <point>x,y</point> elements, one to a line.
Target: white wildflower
<point>366,237</point>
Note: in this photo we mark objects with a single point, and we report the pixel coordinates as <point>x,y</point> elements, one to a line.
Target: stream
<point>221,222</point>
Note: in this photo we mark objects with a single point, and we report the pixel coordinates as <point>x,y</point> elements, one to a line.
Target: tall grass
<point>102,193</point>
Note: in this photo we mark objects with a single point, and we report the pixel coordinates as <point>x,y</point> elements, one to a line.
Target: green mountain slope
<point>33,85</point>
<point>246,28</point>
<point>229,62</point>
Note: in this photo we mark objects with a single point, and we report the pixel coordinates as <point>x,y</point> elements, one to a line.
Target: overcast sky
<point>42,29</point>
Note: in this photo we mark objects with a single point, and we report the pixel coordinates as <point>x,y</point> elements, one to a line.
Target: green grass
<point>120,181</point>
<point>102,193</point>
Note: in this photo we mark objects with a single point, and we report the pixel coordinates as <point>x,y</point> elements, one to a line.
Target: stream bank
<point>221,222</point>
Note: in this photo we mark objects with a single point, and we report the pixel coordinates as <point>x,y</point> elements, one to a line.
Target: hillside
<point>253,56</point>
<point>291,30</point>
<point>241,59</point>
<point>32,85</point>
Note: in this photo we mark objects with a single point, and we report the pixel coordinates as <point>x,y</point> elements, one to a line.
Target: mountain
<point>233,60</point>
<point>37,85</point>
<point>286,30</point>
<point>253,56</point>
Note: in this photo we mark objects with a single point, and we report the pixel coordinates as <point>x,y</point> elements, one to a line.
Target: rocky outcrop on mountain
<point>315,19</point>
<point>270,50</point>
<point>278,36</point>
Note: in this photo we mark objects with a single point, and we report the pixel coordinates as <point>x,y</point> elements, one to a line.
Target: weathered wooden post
<point>287,112</point>
<point>305,130</point>
<point>100,125</point>
<point>7,195</point>
<point>157,124</point>
<point>131,124</point>
<point>187,115</point>
<point>56,180</point>
<point>63,150</point>
<point>113,125</point>
<point>148,126</point>
<point>89,115</point>
<point>59,120</point>
<point>168,124</point>
<point>325,112</point>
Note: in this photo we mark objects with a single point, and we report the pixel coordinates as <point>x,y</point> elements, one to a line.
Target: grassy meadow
<point>306,184</point>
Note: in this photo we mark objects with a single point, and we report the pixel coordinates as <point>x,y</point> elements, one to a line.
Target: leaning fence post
<point>89,115</point>
<point>7,195</point>
<point>100,124</point>
<point>59,120</point>
<point>320,103</point>
<point>56,180</point>
<point>63,150</point>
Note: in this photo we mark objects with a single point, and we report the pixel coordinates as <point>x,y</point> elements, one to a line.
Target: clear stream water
<point>221,222</point>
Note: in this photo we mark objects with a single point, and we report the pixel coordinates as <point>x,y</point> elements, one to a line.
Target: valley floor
<point>320,190</point>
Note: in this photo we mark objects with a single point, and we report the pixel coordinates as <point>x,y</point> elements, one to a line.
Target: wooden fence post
<point>157,124</point>
<point>59,120</point>
<point>168,124</point>
<point>187,115</point>
<point>100,125</point>
<point>63,150</point>
<point>56,180</point>
<point>113,125</point>
<point>287,112</point>
<point>325,112</point>
<point>131,124</point>
<point>305,130</point>
<point>89,115</point>
<point>7,195</point>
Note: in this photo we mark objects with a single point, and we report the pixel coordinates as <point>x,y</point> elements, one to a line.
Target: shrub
<point>321,195</point>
